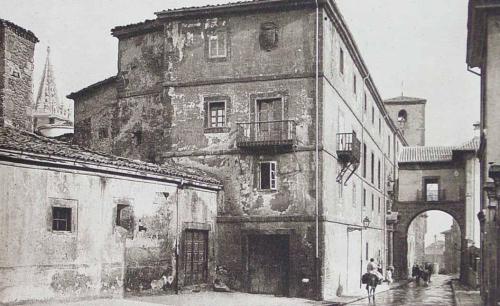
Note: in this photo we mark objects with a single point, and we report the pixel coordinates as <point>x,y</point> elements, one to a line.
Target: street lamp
<point>366,222</point>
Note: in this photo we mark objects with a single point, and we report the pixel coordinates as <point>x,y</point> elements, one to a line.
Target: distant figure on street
<point>430,269</point>
<point>388,275</point>
<point>416,273</point>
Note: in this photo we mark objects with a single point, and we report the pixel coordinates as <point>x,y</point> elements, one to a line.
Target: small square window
<point>268,176</point>
<point>103,133</point>
<point>52,120</point>
<point>217,47</point>
<point>61,219</point>
<point>217,114</point>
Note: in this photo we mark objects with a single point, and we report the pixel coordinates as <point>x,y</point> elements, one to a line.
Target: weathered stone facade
<point>17,47</point>
<point>121,230</point>
<point>483,45</point>
<point>170,73</point>
<point>435,178</point>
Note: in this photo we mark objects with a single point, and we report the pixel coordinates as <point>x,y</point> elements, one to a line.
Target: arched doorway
<point>407,212</point>
<point>434,241</point>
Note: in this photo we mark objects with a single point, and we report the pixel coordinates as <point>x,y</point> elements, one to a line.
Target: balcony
<point>278,134</point>
<point>431,195</point>
<point>348,148</point>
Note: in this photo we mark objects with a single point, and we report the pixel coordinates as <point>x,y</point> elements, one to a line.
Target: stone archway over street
<point>407,212</point>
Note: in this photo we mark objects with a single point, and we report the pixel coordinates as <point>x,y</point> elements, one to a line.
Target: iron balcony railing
<point>266,133</point>
<point>348,147</point>
<point>431,195</point>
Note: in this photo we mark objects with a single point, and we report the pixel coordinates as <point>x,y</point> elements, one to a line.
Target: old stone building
<point>80,224</point>
<point>443,178</point>
<point>452,244</point>
<point>416,240</point>
<point>17,46</point>
<point>483,45</point>
<point>275,99</point>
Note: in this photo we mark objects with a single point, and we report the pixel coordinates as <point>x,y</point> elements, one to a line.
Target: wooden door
<point>268,264</point>
<point>268,112</point>
<point>195,257</point>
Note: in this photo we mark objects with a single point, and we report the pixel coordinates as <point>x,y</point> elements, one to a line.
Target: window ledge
<point>213,130</point>
<point>267,190</point>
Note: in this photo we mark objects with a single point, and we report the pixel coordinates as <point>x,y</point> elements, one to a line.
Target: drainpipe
<point>180,186</point>
<point>316,157</point>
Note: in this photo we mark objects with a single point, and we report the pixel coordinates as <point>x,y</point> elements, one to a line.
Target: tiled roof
<point>19,30</point>
<point>91,87</point>
<point>405,99</point>
<point>209,6</point>
<point>206,10</point>
<point>12,140</point>
<point>435,153</point>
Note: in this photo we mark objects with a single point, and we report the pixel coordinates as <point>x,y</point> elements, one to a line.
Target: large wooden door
<point>195,257</point>
<point>268,264</point>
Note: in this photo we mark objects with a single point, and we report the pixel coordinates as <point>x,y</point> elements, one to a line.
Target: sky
<point>413,46</point>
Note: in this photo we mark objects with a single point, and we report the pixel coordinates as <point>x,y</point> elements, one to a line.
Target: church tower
<point>51,116</point>
<point>409,116</point>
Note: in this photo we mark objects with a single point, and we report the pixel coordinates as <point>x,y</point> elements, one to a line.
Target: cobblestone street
<point>437,293</point>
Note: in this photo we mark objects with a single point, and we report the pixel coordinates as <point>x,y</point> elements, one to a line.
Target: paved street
<point>437,293</point>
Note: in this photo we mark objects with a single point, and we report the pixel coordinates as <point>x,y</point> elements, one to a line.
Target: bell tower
<point>409,116</point>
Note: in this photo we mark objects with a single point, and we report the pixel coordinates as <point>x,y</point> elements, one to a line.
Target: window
<point>431,187</point>
<point>364,160</point>
<point>378,173</point>
<point>217,47</point>
<point>125,216</point>
<point>354,83</point>
<point>341,61</point>
<point>373,201</point>
<point>353,194</point>
<point>103,133</point>
<point>52,120</point>
<point>365,102</point>
<point>364,197</point>
<point>366,251</point>
<point>379,126</point>
<point>61,219</point>
<point>389,146</point>
<point>217,114</point>
<point>268,176</point>
<point>137,137</point>
<point>372,168</point>
<point>379,204</point>
<point>373,114</point>
<point>402,116</point>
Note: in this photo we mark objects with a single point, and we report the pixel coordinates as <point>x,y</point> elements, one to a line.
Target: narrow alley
<point>438,292</point>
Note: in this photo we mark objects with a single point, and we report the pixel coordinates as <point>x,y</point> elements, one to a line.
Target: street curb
<point>403,283</point>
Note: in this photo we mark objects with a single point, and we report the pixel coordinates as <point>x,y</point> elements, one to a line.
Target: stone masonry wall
<point>16,88</point>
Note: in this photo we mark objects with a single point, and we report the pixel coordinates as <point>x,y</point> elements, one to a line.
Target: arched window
<point>402,116</point>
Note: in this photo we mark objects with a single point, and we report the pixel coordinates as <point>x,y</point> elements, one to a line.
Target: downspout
<point>361,206</point>
<point>180,186</point>
<point>316,157</point>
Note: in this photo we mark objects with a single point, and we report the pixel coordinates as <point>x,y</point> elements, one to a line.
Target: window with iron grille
<point>268,180</point>
<point>217,47</point>
<point>217,114</point>
<point>61,219</point>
